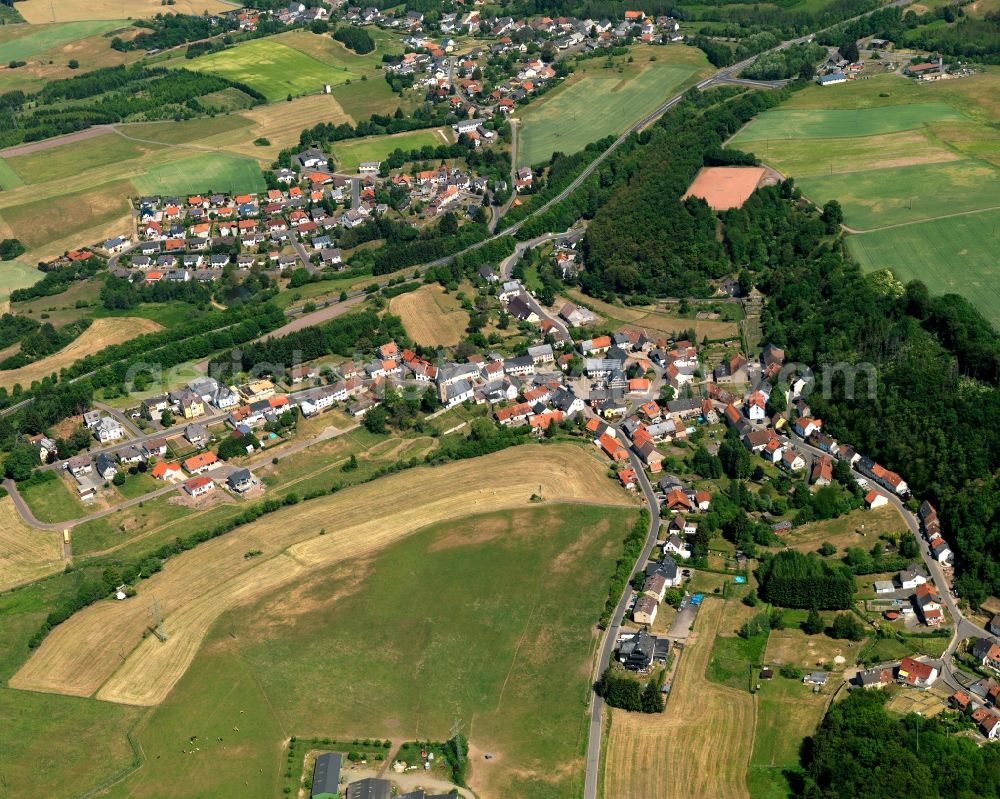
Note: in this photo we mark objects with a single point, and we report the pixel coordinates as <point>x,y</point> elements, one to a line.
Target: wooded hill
<point>860,750</point>
<point>934,414</point>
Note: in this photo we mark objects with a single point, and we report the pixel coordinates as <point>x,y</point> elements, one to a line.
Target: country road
<point>611,633</point>
<point>278,452</point>
<point>963,627</point>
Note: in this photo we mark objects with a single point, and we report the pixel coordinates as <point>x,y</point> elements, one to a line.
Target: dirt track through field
<point>700,747</point>
<point>56,141</point>
<point>106,647</point>
<point>102,333</point>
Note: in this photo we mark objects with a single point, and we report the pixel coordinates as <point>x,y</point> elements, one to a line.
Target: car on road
<point>686,573</point>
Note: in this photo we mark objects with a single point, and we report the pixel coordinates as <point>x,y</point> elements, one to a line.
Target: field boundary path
<point>57,141</point>
<point>972,212</point>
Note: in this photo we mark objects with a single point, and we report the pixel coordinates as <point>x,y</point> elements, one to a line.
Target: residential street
<point>963,627</point>
<point>611,633</point>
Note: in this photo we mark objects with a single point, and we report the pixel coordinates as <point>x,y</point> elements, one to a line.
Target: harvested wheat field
<point>725,187</point>
<point>39,11</point>
<point>280,124</point>
<point>85,654</point>
<point>102,333</point>
<point>430,316</point>
<point>699,747</point>
<point>26,554</point>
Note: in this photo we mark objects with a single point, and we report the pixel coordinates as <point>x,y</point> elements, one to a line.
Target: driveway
<point>681,627</point>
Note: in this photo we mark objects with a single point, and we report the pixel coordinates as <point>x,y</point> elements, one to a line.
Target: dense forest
<point>792,579</point>
<point>355,38</point>
<point>947,30</point>
<point>111,94</point>
<point>169,30</point>
<point>860,750</point>
<point>645,240</point>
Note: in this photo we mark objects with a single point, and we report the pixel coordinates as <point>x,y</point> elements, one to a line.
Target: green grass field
<point>106,150</point>
<point>362,98</point>
<point>486,620</point>
<point>881,197</point>
<point>325,48</point>
<point>599,105</point>
<point>950,255</point>
<point>896,152</point>
<point>352,152</point>
<point>733,659</point>
<point>803,158</point>
<point>38,222</point>
<point>200,173</point>
<point>52,501</point>
<point>9,179</point>
<point>972,95</point>
<point>16,275</point>
<point>29,41</point>
<point>187,130</point>
<point>92,746</point>
<point>781,123</point>
<point>276,70</point>
<point>787,712</point>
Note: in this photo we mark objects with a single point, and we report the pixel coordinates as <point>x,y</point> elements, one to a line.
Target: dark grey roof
<point>326,775</point>
<point>682,405</point>
<point>519,308</point>
<point>666,566</point>
<point>103,463</point>
<point>240,476</point>
<point>981,647</point>
<point>368,788</point>
<point>638,651</point>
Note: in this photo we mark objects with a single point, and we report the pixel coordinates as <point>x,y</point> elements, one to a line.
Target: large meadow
<point>343,628</point>
<point>916,167</point>
<point>603,97</point>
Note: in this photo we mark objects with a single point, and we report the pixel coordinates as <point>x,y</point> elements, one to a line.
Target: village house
<point>876,678</point>
<point>165,471</point>
<point>104,466</point>
<point>240,481</point>
<point>636,652</point>
<point>198,486</point>
<point>45,447</point>
<point>80,465</point>
<point>915,674</point>
<point>108,429</point>
<point>645,609</point>
<point>201,463</point>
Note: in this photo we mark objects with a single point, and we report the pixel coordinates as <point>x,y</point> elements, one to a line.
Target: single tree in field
<point>813,624</point>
